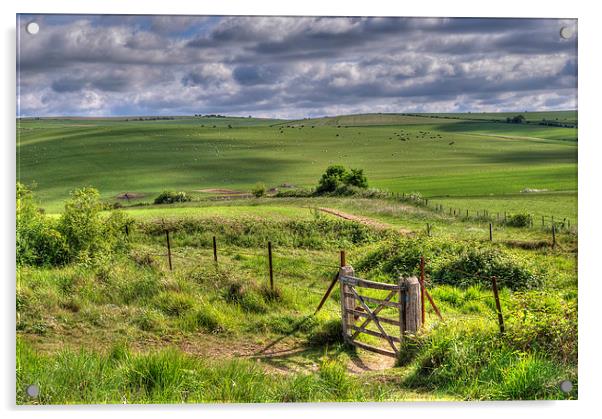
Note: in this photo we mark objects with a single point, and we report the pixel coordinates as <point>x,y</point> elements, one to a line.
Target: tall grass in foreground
<point>474,362</point>
<point>170,376</point>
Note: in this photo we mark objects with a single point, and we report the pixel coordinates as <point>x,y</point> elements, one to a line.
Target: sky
<point>291,67</point>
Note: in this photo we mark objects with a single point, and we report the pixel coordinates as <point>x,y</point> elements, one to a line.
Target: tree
<point>338,176</point>
<point>357,178</point>
<point>331,179</point>
<point>518,119</point>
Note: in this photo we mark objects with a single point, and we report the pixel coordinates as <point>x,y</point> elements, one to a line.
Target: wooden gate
<point>360,311</point>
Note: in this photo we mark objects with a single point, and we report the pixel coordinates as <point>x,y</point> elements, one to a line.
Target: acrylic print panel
<point>295,209</point>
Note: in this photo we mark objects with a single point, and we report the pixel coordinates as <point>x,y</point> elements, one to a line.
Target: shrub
<point>295,193</point>
<point>519,220</point>
<point>536,320</point>
<point>356,178</point>
<point>453,263</point>
<point>81,233</point>
<point>258,190</point>
<point>337,176</point>
<point>88,235</point>
<point>478,265</point>
<point>38,240</point>
<point>331,179</point>
<point>170,197</point>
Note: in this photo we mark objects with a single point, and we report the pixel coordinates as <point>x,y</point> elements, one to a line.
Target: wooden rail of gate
<point>357,315</point>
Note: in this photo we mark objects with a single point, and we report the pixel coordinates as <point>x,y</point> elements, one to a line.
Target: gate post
<point>347,302</point>
<point>410,314</point>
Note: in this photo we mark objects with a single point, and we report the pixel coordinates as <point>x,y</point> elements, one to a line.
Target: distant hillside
<point>368,119</point>
<point>551,117</point>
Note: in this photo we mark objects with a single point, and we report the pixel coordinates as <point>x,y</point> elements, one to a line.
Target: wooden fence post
<point>428,229</point>
<point>347,300</point>
<point>343,258</point>
<point>410,316</point>
<point>214,249</point>
<point>422,289</point>
<point>168,249</point>
<point>271,269</point>
<point>490,232</point>
<point>127,231</point>
<point>498,306</point>
<point>553,236</point>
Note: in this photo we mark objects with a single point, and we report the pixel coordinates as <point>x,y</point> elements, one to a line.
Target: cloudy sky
<point>291,67</point>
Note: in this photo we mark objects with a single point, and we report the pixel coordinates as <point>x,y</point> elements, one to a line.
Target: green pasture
<point>433,156</point>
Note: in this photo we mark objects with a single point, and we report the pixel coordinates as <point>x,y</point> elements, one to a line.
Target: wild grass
<point>170,376</point>
<point>185,327</point>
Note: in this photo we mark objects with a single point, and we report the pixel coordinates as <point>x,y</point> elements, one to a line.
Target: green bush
<point>258,190</point>
<point>519,220</point>
<point>81,233</point>
<point>170,197</point>
<point>356,178</point>
<point>477,266</point>
<point>337,176</point>
<point>38,240</point>
<point>450,262</point>
<point>540,321</point>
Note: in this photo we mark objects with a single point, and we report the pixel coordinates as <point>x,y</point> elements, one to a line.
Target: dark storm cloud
<point>292,67</point>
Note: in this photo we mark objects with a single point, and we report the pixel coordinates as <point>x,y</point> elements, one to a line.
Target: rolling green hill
<point>433,156</point>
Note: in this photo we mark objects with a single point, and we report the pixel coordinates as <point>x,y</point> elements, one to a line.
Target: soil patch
<point>130,195</point>
<point>364,220</point>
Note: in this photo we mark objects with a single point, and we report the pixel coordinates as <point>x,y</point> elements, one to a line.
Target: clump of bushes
<point>519,220</point>
<point>449,262</point>
<point>81,233</point>
<point>170,197</point>
<point>337,176</point>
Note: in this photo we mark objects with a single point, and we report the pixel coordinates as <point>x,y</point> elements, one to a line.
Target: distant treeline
<point>518,119</point>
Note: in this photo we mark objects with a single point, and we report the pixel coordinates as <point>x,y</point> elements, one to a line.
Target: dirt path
<point>370,222</point>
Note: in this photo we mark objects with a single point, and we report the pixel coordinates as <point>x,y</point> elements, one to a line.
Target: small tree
<point>357,178</point>
<point>331,179</point>
<point>258,190</point>
<point>518,119</point>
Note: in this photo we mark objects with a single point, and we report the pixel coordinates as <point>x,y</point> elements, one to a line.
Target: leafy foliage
<point>81,233</point>
<point>519,220</point>
<point>450,262</point>
<point>170,197</point>
<point>337,177</point>
<point>258,190</point>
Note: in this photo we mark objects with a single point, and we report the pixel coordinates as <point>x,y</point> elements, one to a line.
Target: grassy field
<point>105,320</point>
<point>130,330</point>
<point>433,156</point>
